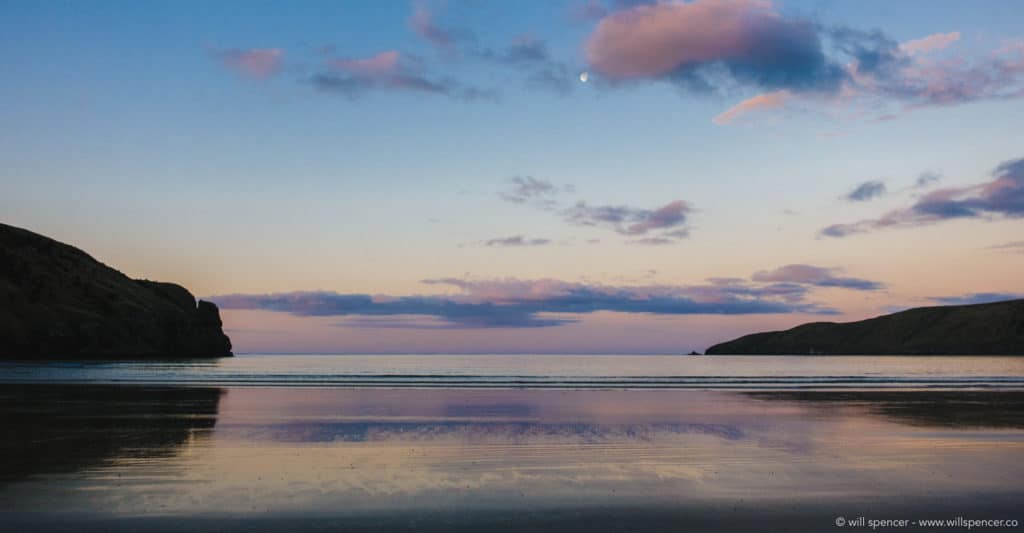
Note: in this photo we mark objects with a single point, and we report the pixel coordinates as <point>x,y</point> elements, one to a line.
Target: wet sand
<point>128,458</point>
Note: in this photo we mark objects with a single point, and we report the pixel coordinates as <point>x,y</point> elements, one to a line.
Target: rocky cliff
<point>981,329</point>
<point>58,302</point>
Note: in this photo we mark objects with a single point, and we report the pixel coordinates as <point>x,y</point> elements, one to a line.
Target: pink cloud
<point>762,101</point>
<point>254,62</point>
<point>376,65</point>
<point>930,43</point>
<point>651,40</point>
<point>961,79</point>
<point>727,44</point>
<point>422,22</point>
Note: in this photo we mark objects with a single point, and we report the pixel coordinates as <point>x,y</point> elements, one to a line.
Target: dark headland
<point>60,303</point>
<point>979,329</point>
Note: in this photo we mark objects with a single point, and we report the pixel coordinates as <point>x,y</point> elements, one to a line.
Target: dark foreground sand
<point>579,520</point>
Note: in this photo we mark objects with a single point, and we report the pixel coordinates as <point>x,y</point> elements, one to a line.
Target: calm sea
<point>540,371</point>
<point>508,443</point>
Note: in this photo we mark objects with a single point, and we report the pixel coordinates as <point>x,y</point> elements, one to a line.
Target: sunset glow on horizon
<point>572,177</point>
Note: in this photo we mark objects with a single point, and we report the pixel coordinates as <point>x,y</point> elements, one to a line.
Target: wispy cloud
<point>1003,197</point>
<point>529,190</point>
<point>866,191</point>
<point>587,10</point>
<point>526,53</point>
<point>668,238</point>
<point>633,221</point>
<point>1016,247</point>
<point>530,55</point>
<point>816,276</point>
<point>658,226</point>
<point>382,64</point>
<point>930,43</point>
<point>388,70</point>
<point>921,80</point>
<point>423,24</point>
<point>770,100</point>
<point>259,63</point>
<point>515,241</point>
<point>927,179</point>
<point>524,50</point>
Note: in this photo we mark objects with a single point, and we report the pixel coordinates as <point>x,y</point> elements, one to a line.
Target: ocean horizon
<point>539,371</point>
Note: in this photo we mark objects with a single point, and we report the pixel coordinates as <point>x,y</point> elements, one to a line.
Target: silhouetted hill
<point>980,329</point>
<point>58,302</point>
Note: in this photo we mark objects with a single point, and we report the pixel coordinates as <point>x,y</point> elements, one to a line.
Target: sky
<point>582,176</point>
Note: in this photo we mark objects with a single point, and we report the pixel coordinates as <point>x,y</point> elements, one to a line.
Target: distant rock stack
<point>60,303</point>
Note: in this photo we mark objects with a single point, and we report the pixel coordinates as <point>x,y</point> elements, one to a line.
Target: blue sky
<point>199,143</point>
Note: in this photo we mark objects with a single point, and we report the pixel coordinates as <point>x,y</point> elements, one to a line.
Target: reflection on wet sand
<point>59,428</point>
<point>435,459</point>
<point>953,409</point>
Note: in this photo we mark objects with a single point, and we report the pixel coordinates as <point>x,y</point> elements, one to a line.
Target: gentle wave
<point>547,372</point>
<point>440,381</point>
